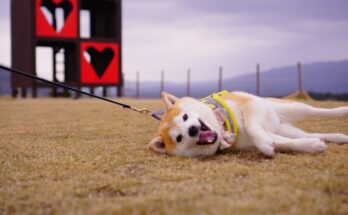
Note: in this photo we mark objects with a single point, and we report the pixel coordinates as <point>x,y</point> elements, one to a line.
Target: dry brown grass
<point>88,157</point>
<point>299,96</point>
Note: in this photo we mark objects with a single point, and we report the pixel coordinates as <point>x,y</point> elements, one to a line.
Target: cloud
<point>5,9</point>
<point>202,35</point>
<point>176,35</point>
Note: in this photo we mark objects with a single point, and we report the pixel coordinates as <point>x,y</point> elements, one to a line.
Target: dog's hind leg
<point>294,111</point>
<point>288,130</point>
<point>310,145</point>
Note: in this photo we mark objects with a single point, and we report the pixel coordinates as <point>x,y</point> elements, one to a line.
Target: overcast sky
<point>175,35</point>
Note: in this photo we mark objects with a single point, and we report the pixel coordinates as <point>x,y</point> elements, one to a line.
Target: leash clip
<point>141,110</point>
<point>146,111</point>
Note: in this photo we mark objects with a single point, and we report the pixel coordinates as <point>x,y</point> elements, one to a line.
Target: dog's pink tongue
<point>206,136</point>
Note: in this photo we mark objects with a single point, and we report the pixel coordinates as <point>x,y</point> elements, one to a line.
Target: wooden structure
<point>92,61</point>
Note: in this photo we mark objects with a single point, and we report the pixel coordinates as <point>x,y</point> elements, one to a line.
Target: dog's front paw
<point>267,150</point>
<point>315,145</point>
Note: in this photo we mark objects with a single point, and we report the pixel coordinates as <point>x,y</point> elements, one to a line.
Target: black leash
<point>126,106</point>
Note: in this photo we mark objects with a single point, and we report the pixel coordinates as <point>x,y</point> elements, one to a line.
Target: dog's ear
<point>168,99</point>
<point>157,145</point>
<point>220,114</point>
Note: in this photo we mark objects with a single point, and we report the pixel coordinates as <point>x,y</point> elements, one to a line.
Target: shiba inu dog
<point>239,121</point>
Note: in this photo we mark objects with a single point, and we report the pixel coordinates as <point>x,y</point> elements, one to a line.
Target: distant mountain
<point>317,77</point>
<point>322,77</point>
<point>5,85</point>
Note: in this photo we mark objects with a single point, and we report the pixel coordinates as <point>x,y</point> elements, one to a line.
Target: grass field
<point>89,157</point>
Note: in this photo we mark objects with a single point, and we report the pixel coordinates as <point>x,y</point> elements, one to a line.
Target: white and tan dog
<point>192,128</point>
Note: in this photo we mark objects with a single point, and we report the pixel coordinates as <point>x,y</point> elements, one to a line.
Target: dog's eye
<point>179,138</point>
<point>185,117</point>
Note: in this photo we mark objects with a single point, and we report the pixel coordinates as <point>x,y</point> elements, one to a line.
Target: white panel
<point>44,62</point>
<point>85,24</point>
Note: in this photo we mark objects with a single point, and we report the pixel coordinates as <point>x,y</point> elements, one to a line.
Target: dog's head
<point>188,128</point>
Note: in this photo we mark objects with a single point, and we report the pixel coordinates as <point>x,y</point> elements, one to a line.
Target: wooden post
<point>300,83</point>
<point>162,82</point>
<point>188,93</point>
<point>105,91</point>
<point>120,89</point>
<point>137,86</point>
<point>34,90</point>
<point>23,92</point>
<point>14,92</point>
<point>220,79</point>
<point>78,95</point>
<point>258,79</point>
<point>91,90</point>
<point>66,93</point>
<point>54,61</point>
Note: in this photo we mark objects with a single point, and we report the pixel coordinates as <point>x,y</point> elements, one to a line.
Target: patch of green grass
<point>89,157</point>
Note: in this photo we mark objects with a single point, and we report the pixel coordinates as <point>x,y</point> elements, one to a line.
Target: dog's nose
<point>193,131</point>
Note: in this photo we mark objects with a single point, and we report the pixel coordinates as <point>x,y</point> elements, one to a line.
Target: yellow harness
<point>215,101</point>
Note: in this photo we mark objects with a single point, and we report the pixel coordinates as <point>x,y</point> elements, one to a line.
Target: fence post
<point>91,90</point>
<point>188,82</point>
<point>105,91</point>
<point>220,79</point>
<point>121,89</point>
<point>300,83</point>
<point>137,86</point>
<point>162,82</point>
<point>258,79</point>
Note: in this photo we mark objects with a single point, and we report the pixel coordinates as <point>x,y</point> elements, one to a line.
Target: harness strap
<point>215,100</point>
<point>230,113</point>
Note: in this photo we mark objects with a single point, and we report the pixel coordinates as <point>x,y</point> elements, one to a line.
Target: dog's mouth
<point>206,135</point>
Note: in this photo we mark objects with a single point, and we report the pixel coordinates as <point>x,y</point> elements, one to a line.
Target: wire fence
<point>253,84</point>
